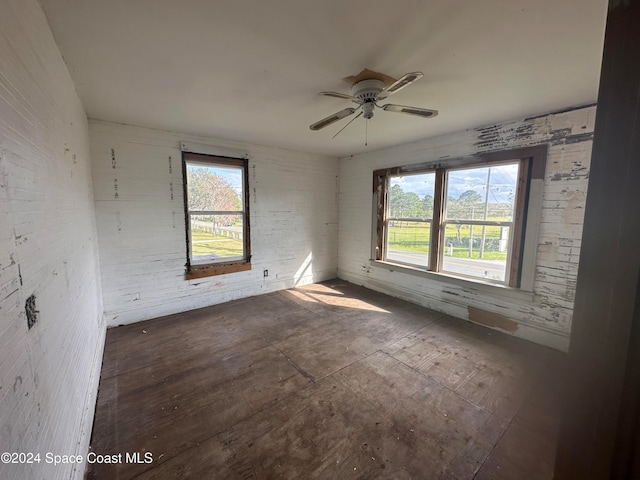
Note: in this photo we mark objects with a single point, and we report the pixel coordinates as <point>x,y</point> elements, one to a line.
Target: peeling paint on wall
<point>544,314</point>
<point>31,312</point>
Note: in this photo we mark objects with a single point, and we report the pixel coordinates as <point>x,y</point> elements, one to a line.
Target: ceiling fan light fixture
<point>367,108</point>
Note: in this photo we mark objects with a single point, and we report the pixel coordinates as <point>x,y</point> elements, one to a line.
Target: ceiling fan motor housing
<point>367,92</point>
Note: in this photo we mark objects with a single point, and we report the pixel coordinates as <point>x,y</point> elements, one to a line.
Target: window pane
<point>411,196</point>
<point>484,193</point>
<point>465,252</point>
<point>408,242</point>
<point>214,188</point>
<point>216,238</point>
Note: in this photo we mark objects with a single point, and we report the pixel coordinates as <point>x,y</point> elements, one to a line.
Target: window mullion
<point>437,233</point>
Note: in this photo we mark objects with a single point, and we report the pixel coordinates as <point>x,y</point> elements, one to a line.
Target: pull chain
<point>366,132</point>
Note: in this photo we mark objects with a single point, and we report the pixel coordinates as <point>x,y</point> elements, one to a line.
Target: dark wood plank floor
<point>326,381</point>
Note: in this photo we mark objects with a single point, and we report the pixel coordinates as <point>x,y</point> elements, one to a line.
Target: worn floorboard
<point>325,381</point>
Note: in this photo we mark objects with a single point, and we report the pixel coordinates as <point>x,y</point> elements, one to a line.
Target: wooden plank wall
<point>48,252</point>
<point>139,207</point>
<point>544,315</point>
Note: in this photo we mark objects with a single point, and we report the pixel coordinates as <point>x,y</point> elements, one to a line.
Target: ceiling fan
<point>367,93</point>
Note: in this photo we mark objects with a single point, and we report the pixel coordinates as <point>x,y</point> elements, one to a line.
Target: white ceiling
<point>250,70</point>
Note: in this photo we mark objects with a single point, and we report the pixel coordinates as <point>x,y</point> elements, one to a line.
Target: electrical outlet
<point>266,273</point>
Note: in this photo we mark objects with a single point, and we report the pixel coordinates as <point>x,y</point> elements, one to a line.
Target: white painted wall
<point>48,247</point>
<point>49,244</point>
<point>545,315</point>
<point>137,177</point>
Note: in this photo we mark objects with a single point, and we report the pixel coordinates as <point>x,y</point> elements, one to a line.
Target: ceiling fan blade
<point>399,84</point>
<point>420,112</point>
<point>332,118</point>
<point>339,95</point>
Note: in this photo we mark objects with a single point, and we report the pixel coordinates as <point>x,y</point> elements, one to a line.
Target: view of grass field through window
<point>215,207</point>
<point>410,212</point>
<point>477,220</point>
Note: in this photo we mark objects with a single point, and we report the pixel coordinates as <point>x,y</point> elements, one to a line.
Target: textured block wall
<point>544,315</point>
<point>48,251</point>
<point>137,176</point>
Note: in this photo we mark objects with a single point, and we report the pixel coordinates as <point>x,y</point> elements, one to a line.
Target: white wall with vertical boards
<point>544,316</point>
<point>137,174</point>
<point>48,248</point>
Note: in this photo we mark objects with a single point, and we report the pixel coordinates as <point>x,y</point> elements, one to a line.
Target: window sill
<point>496,290</point>
<point>201,271</point>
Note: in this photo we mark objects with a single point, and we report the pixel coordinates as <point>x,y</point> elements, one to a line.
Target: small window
<point>465,220</point>
<point>217,215</point>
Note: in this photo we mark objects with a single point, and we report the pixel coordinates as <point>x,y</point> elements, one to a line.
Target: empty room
<point>319,240</point>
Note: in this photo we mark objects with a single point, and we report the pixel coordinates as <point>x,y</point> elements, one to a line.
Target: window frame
<point>526,212</point>
<point>388,219</point>
<point>199,270</point>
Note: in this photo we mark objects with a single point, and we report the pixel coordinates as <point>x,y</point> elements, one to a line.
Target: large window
<point>217,215</point>
<point>464,219</point>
